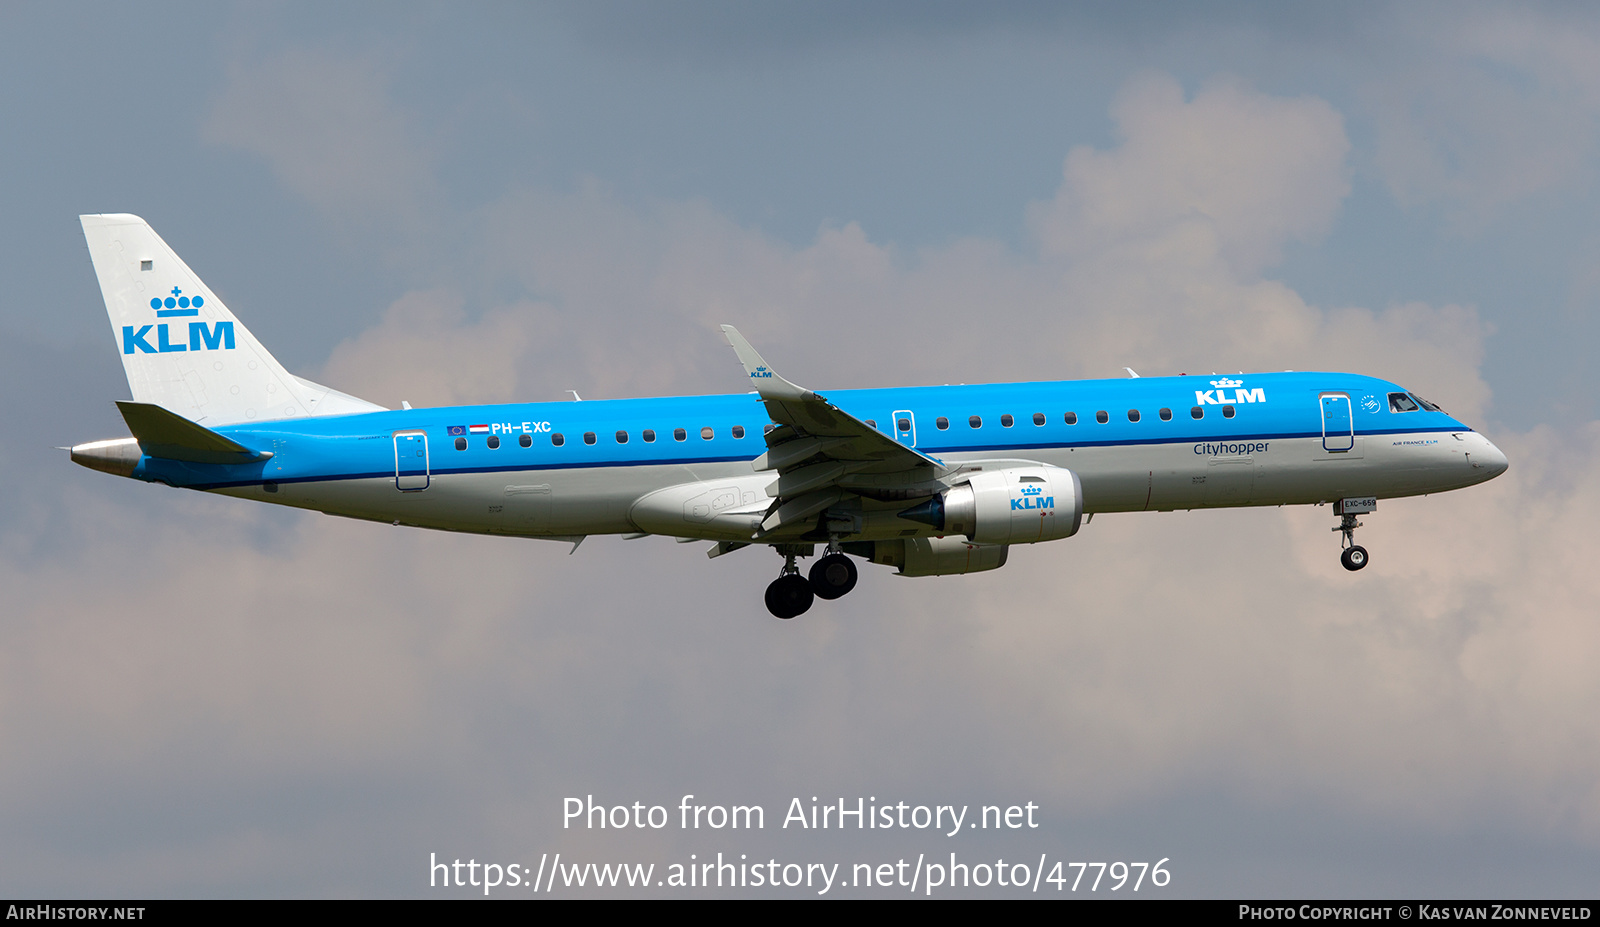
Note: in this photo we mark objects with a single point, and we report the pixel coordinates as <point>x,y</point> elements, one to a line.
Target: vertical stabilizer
<point>181,348</point>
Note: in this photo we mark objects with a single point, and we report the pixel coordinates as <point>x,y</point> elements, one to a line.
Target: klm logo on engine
<point>198,337</point>
<point>1033,497</point>
<point>1220,395</point>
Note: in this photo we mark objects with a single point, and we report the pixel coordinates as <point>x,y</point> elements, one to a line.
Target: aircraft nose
<point>1490,458</point>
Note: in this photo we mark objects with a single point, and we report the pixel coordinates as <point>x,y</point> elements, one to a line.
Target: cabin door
<point>1338,428</point>
<point>410,461</point>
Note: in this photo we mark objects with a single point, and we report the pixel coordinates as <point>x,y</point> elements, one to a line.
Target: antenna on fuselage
<point>1131,372</point>
<point>575,398</point>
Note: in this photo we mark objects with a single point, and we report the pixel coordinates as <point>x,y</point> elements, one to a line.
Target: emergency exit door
<point>905,428</point>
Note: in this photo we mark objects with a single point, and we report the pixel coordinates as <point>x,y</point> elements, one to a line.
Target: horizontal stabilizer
<point>166,434</point>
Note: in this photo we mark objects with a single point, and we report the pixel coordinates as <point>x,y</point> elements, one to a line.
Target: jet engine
<point>1020,505</point>
<point>946,556</point>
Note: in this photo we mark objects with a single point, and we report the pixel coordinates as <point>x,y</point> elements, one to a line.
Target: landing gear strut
<point>789,595</point>
<point>1354,556</point>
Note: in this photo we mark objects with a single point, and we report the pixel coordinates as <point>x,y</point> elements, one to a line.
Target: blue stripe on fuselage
<point>360,446</point>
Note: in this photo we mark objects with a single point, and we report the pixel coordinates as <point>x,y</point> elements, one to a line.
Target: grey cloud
<point>722,32</point>
<point>1257,170</point>
<point>1502,107</point>
<point>325,124</point>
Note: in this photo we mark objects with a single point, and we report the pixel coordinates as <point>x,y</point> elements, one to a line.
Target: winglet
<point>767,383</point>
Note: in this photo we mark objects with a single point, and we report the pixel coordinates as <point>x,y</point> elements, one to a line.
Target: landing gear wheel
<point>1354,558</point>
<point>789,595</point>
<point>833,576</point>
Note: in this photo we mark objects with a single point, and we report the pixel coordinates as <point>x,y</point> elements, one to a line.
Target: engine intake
<point>1020,505</point>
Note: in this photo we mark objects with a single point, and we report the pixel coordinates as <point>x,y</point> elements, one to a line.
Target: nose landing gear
<point>1354,556</point>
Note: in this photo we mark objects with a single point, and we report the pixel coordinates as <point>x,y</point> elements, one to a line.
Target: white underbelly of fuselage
<point>1127,478</point>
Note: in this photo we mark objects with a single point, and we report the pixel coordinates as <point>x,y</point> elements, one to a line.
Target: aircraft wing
<point>816,444</point>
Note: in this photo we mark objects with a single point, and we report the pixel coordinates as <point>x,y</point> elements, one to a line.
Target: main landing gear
<point>791,594</point>
<point>1354,556</point>
<point>833,576</point>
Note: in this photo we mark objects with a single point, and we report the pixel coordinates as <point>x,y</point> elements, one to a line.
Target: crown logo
<point>176,304</point>
<point>1226,383</point>
<point>1033,490</point>
<point>760,372</point>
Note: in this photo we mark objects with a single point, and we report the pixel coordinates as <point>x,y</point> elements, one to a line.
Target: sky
<point>205,697</point>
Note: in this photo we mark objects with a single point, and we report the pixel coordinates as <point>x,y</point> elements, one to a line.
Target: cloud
<point>1242,171</point>
<point>426,352</point>
<point>328,129</point>
<point>1497,108</point>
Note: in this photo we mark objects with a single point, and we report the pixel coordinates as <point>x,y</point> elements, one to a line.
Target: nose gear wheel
<point>1354,556</point>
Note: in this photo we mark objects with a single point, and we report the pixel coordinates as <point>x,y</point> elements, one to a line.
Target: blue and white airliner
<point>931,480</point>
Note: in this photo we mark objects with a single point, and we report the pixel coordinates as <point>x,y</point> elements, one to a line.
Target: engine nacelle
<point>1020,505</point>
<point>946,556</point>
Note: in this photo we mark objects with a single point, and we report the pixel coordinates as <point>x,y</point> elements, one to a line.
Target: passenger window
<point>588,437</point>
<point>1102,417</point>
<point>648,435</point>
<point>558,439</point>
<point>1197,412</point>
<point>678,434</point>
<point>1133,415</point>
<point>706,433</point>
<point>1166,415</point>
<point>767,428</point>
<point>1227,411</point>
<point>622,437</point>
<point>525,439</point>
<point>1400,402</point>
<point>904,424</point>
<point>1038,418</point>
<point>975,422</point>
<point>941,423</point>
<point>1006,421</point>
<point>873,422</point>
<point>494,442</point>
<point>1072,418</point>
<point>738,431</point>
<point>461,444</point>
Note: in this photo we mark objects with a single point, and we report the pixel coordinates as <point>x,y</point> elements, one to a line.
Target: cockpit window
<point>1425,403</point>
<point>1400,402</point>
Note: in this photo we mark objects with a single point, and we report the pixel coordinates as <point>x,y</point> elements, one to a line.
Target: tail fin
<point>181,347</point>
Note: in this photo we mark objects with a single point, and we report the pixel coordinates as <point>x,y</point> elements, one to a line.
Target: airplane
<point>930,480</point>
